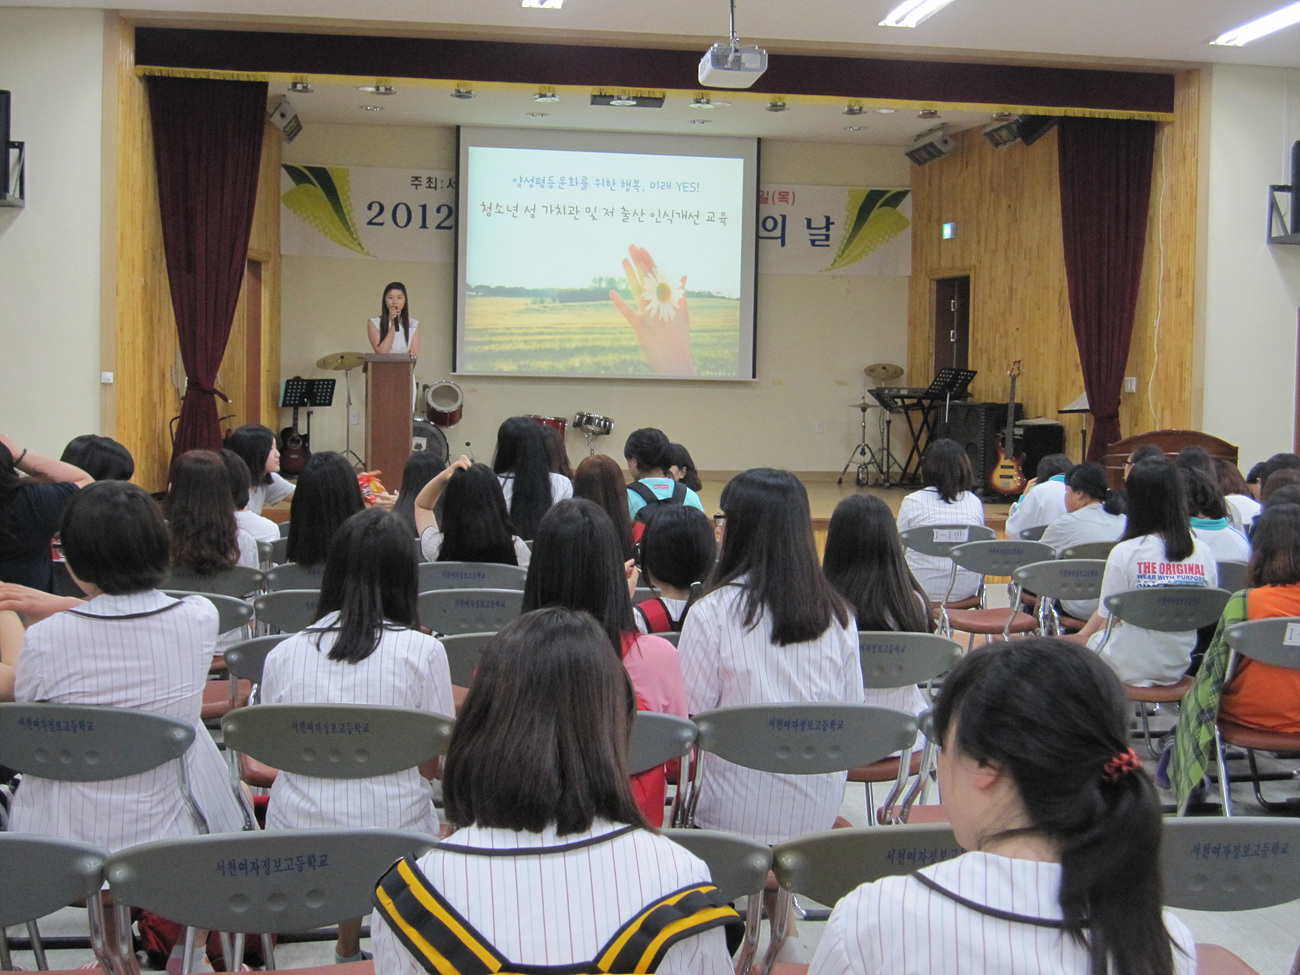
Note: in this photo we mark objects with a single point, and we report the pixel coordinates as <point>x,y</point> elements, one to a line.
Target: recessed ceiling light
<point>301,88</point>
<point>538,114</point>
<point>852,128</point>
<point>777,105</point>
<point>705,101</point>
<point>886,111</point>
<point>371,108</point>
<point>1260,27</point>
<point>624,100</point>
<point>378,89</point>
<point>701,121</point>
<point>853,108</point>
<point>462,92</point>
<point>546,95</point>
<point>928,113</point>
<point>912,13</point>
<point>542,4</point>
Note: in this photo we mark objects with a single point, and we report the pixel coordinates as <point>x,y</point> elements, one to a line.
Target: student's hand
<point>632,573</point>
<point>1029,485</point>
<point>660,319</point>
<point>33,605</point>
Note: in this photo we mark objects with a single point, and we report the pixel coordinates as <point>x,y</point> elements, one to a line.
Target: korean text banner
<point>834,230</point>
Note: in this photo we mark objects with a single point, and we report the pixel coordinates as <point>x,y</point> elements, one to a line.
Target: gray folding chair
<point>279,553</point>
<point>232,612</point>
<point>284,529</point>
<point>641,593</point>
<point>38,876</point>
<point>1087,550</point>
<point>463,652</point>
<point>245,659</point>
<point>273,880</point>
<point>238,581</point>
<point>1073,579</point>
<point>672,636</point>
<point>1232,576</point>
<point>454,611</point>
<point>264,554</point>
<point>658,739</point>
<point>996,557</point>
<point>1170,609</point>
<point>471,575</point>
<point>738,866</point>
<point>1243,864</point>
<point>794,739</point>
<point>1033,534</point>
<point>291,575</point>
<point>826,866</point>
<point>287,610</point>
<point>939,541</point>
<point>1275,642</point>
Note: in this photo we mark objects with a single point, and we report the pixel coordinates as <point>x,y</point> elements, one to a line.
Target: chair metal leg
<point>1225,787</point>
<point>268,951</point>
<point>188,960</point>
<point>780,930</point>
<point>38,949</point>
<point>7,962</point>
<point>1146,728</point>
<point>753,922</point>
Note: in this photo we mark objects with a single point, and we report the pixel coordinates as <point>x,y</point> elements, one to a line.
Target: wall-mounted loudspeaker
<point>976,427</point>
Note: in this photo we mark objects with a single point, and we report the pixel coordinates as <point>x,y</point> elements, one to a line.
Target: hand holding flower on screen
<point>660,319</point>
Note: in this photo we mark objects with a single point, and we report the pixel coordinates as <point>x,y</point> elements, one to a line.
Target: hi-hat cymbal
<point>341,361</point>
<point>883,372</point>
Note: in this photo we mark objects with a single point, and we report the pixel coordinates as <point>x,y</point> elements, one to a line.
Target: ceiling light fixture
<point>538,114</point>
<point>886,111</point>
<point>912,13</point>
<point>701,101</point>
<point>463,92</point>
<point>853,108</point>
<point>1260,27</point>
<point>852,128</point>
<point>623,100</point>
<point>371,108</point>
<point>701,121</point>
<point>378,89</point>
<point>546,94</point>
<point>777,105</point>
<point>928,113</point>
<point>301,87</point>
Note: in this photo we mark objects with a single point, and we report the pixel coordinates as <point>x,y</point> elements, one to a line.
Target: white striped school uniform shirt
<point>561,908</point>
<point>724,664</point>
<point>157,662</point>
<point>897,926</point>
<point>407,669</point>
<point>925,507</point>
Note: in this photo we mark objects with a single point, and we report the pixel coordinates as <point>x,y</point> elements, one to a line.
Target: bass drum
<point>444,402</point>
<point>426,437</point>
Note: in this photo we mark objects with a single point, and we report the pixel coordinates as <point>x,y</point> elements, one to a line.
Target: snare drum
<point>426,437</point>
<point>445,403</point>
<point>557,423</point>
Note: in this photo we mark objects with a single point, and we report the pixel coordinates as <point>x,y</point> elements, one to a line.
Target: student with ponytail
<point>1062,826</point>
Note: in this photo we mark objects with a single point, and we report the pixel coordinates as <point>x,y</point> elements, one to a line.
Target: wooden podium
<point>389,381</point>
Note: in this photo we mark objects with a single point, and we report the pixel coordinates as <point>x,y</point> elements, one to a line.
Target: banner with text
<point>834,230</point>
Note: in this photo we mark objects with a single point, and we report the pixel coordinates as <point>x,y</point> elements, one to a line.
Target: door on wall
<point>951,323</point>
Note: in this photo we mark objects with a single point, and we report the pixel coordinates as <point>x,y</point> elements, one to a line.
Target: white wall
<point>815,334</point>
<point>52,62</point>
<point>1251,288</point>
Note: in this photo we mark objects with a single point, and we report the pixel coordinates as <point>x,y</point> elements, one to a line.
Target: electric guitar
<point>1008,477</point>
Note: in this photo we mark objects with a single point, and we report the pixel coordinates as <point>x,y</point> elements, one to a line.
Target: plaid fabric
<point>1194,738</point>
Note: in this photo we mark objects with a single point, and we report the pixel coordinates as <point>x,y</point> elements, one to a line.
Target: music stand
<point>309,393</point>
<point>950,384</point>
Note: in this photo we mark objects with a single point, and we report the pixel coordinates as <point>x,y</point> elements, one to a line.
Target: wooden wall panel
<point>1006,205</point>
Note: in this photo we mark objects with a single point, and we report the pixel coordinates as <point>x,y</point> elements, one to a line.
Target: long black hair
<point>475,523</point>
<point>677,546</point>
<point>370,580</point>
<point>403,317</point>
<point>946,468</point>
<point>327,495</point>
<point>1275,547</point>
<point>769,551</point>
<point>1204,499</point>
<point>521,453</point>
<point>600,479</point>
<point>103,458</point>
<point>421,468</point>
<point>1054,716</point>
<point>253,443</point>
<point>577,562</point>
<point>679,456</point>
<point>201,513</point>
<point>864,561</point>
<point>1157,506</point>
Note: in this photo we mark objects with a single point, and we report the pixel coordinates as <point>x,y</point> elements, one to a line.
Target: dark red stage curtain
<point>207,138</point>
<point>1105,172</point>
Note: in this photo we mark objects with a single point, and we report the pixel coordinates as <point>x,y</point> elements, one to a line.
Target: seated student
<point>648,454</point>
<point>1062,826</point>
<point>1255,695</point>
<point>256,446</point>
<point>1043,500</point>
<point>262,529</point>
<point>1158,549</point>
<point>421,468</point>
<point>600,479</point>
<point>11,646</point>
<point>30,507</point>
<point>523,465</point>
<point>682,468</point>
<point>206,538</point>
<point>327,495</point>
<point>947,499</point>
<point>1242,506</point>
<point>1088,518</point>
<point>677,553</point>
<point>475,525</point>
<point>1210,517</point>
<point>552,857</point>
<point>103,458</point>
<point>363,648</point>
<point>557,453</point>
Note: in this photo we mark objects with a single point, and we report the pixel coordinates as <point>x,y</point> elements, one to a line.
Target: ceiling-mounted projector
<point>727,64</point>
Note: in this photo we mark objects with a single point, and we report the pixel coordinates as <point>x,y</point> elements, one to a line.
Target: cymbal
<point>883,372</point>
<point>341,361</point>
<point>863,406</point>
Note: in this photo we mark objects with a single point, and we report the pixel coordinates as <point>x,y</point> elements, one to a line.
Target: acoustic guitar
<point>296,451</point>
<point>1008,478</point>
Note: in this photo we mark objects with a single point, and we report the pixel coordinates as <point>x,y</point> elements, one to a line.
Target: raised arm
<point>429,494</point>
<point>45,468</point>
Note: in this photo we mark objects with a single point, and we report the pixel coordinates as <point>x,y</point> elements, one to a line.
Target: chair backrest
<point>1169,608</point>
<point>1238,864</point>
<point>804,739</point>
<point>999,557</point>
<point>284,529</point>
<point>270,880</point>
<point>470,575</point>
<point>826,866</point>
<point>641,593</point>
<point>737,864</point>
<point>287,610</point>
<point>41,874</point>
<point>1073,579</point>
<point>232,612</point>
<point>1088,550</point>
<point>245,659</point>
<point>658,738</point>
<point>940,539</point>
<point>1274,641</point>
<point>1033,534</point>
<point>80,743</point>
<point>291,575</point>
<point>469,610</point>
<point>1232,576</point>
<point>263,552</point>
<point>463,651</point>
<point>898,659</point>
<point>672,636</point>
<point>237,581</point>
<point>337,741</point>
<point>280,550</point>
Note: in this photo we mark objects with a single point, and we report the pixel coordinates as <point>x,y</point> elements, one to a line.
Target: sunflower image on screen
<point>659,318</point>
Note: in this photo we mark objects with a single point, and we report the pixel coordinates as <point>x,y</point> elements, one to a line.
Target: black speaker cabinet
<point>976,427</point>
<point>1036,441</point>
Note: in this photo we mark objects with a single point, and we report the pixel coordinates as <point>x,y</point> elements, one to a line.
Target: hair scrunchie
<point>1121,765</point>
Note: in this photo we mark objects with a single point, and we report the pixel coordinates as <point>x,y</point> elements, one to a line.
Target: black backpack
<point>652,501</point>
